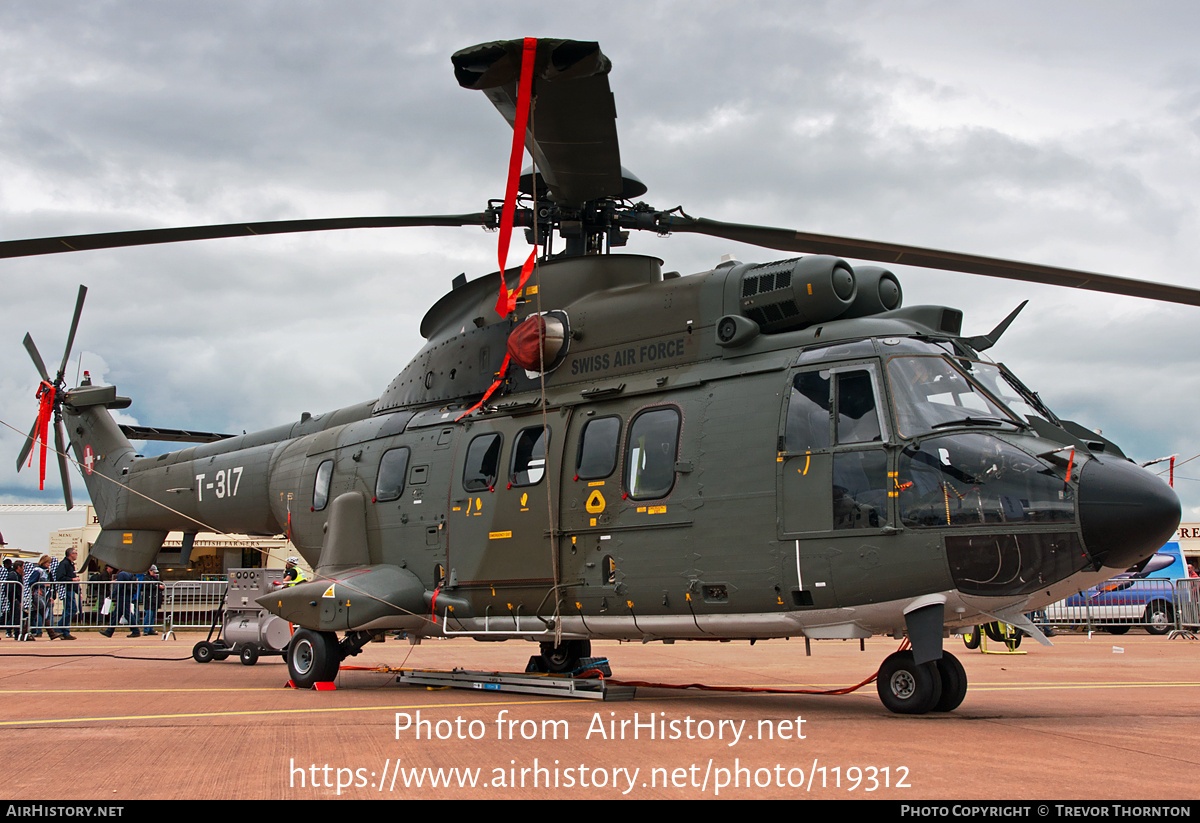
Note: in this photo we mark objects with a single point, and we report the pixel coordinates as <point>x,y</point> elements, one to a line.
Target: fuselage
<point>658,482</point>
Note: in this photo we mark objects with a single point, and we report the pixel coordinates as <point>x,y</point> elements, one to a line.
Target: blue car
<point>1143,596</point>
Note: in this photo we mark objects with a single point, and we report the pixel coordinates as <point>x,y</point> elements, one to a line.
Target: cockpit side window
<point>836,405</point>
<point>807,427</point>
<point>857,416</point>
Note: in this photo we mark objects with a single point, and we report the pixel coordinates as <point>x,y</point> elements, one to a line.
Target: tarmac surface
<point>1100,718</point>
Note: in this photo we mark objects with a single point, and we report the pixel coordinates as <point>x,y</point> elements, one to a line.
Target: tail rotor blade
<point>60,447</point>
<point>36,357</point>
<point>27,446</point>
<point>71,337</point>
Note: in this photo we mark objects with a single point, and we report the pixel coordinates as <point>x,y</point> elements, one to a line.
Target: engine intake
<point>792,294</point>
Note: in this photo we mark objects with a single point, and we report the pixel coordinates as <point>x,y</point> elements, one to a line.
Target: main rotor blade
<point>573,130</point>
<point>60,447</point>
<point>27,446</point>
<point>147,237</point>
<point>71,337</point>
<point>36,357</point>
<point>895,253</point>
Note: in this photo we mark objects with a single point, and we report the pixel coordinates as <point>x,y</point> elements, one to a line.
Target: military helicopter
<point>608,450</point>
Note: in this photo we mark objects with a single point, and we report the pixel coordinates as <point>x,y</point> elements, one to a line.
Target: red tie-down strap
<point>45,396</point>
<point>507,301</point>
<point>499,379</point>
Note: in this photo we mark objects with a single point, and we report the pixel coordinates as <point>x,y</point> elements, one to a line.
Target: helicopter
<point>590,447</point>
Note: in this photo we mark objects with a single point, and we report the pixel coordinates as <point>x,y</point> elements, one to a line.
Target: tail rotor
<point>50,395</point>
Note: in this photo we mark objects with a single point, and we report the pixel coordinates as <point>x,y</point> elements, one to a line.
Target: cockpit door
<point>834,473</point>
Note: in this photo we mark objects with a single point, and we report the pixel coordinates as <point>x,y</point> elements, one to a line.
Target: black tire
<point>954,683</point>
<point>565,657</point>
<point>1160,617</point>
<point>202,652</point>
<point>995,632</point>
<point>313,657</point>
<point>1116,629</point>
<point>906,687</point>
<point>248,655</point>
<point>972,636</point>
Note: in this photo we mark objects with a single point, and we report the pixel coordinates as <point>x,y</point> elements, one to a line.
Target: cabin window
<point>392,468</point>
<point>483,463</point>
<point>650,453</point>
<point>529,456</point>
<point>321,487</point>
<point>598,448</point>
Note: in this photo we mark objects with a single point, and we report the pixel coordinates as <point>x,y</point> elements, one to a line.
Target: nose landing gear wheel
<point>313,657</point>
<point>565,657</point>
<point>954,683</point>
<point>906,687</point>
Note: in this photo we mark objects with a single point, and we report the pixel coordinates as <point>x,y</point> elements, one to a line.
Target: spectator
<point>67,591</point>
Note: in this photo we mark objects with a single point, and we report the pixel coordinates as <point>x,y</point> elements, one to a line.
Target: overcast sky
<point>1062,133</point>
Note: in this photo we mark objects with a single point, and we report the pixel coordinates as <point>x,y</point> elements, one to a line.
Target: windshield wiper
<point>976,421</point>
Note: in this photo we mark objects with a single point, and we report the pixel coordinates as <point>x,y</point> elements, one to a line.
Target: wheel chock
<point>328,686</point>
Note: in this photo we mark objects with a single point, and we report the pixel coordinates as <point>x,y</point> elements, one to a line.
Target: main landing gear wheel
<point>954,683</point>
<point>313,657</point>
<point>906,687</point>
<point>566,656</point>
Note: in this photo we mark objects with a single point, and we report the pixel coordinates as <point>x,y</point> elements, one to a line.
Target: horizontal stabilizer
<point>170,435</point>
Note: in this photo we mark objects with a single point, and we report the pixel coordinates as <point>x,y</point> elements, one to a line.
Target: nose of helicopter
<point>1126,512</point>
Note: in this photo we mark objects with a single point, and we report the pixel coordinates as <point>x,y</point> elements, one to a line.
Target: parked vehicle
<point>1142,596</point>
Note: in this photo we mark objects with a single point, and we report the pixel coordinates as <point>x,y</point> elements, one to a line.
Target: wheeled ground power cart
<point>241,626</point>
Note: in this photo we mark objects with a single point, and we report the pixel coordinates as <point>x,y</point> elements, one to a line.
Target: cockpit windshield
<point>931,394</point>
<point>996,381</point>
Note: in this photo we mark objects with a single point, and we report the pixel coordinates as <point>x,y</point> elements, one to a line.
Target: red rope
<point>45,396</point>
<point>508,301</point>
